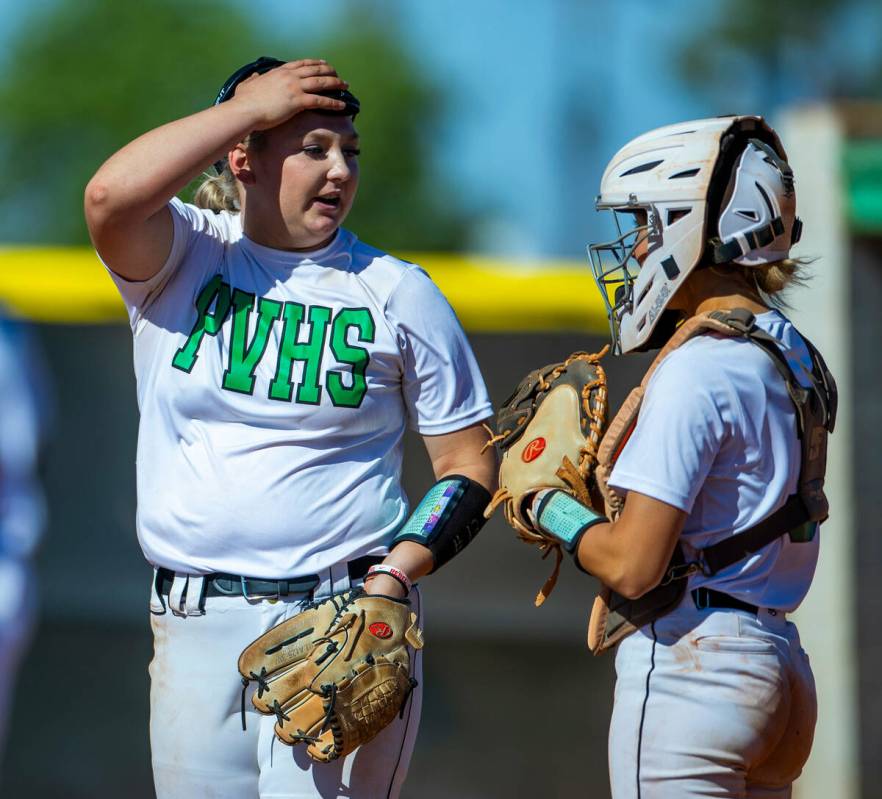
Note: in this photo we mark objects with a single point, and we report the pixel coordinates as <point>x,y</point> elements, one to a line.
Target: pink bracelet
<point>394,573</point>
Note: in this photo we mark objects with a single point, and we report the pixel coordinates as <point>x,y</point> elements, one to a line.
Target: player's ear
<point>240,164</point>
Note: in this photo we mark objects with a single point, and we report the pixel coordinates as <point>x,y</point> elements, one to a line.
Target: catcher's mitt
<point>549,432</point>
<point>335,674</point>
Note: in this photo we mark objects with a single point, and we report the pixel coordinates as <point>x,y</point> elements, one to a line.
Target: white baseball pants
<point>711,703</point>
<point>198,746</point>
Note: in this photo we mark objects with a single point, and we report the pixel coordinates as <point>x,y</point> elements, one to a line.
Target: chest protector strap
<point>614,616</point>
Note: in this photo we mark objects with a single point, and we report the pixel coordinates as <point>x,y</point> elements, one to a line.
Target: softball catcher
<point>705,494</point>
<point>278,362</point>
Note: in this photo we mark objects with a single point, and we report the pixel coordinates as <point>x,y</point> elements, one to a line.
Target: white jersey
<point>716,437</point>
<point>274,389</point>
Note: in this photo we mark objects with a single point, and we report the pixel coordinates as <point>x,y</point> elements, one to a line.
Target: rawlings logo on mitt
<point>335,674</point>
<point>549,433</point>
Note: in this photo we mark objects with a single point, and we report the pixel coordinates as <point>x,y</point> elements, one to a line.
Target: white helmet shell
<point>677,175</point>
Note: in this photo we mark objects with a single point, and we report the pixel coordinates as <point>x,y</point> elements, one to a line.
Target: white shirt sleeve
<point>679,431</point>
<point>441,382</point>
<point>192,226</point>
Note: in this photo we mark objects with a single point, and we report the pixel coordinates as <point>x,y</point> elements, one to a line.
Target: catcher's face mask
<point>615,264</point>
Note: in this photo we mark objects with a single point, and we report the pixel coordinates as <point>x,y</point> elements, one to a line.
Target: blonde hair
<point>221,192</point>
<point>218,192</point>
<point>773,279</point>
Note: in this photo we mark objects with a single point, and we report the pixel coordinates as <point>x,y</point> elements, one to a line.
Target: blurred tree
<point>785,50</point>
<point>91,75</point>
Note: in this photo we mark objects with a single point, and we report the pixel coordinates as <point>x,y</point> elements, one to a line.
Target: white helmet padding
<point>759,223</point>
<point>678,177</point>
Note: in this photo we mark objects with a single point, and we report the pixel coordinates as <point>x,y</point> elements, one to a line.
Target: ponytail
<point>218,192</point>
<point>221,192</point>
<point>775,278</point>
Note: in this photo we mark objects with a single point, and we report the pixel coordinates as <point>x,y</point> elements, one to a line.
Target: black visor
<point>265,64</point>
<point>258,67</point>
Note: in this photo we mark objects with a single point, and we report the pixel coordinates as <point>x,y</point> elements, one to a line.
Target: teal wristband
<point>565,518</point>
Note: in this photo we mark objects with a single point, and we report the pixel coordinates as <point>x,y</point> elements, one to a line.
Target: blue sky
<point>541,93</point>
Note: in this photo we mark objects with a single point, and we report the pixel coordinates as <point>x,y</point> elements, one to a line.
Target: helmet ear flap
<point>722,184</point>
<point>757,222</point>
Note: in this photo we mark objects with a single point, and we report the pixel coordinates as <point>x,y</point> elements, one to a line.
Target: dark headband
<point>265,64</point>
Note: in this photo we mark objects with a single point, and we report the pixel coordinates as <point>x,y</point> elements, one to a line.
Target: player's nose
<point>339,168</point>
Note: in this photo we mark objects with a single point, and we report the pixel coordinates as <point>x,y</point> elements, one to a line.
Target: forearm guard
<point>447,518</point>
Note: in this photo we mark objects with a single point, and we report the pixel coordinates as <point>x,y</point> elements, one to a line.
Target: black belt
<point>708,598</point>
<point>222,584</point>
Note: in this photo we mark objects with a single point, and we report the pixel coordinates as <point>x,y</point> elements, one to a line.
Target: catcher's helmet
<point>714,191</point>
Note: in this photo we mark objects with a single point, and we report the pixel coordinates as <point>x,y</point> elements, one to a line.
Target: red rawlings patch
<point>381,629</point>
<point>533,450</point>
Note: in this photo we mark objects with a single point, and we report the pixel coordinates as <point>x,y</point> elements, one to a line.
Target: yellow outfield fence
<point>68,285</point>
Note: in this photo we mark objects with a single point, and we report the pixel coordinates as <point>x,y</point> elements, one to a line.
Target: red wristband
<point>394,573</point>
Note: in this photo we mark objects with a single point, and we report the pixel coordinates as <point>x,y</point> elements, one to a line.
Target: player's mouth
<point>327,202</point>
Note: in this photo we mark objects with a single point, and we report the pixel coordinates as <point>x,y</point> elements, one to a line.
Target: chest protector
<point>613,616</point>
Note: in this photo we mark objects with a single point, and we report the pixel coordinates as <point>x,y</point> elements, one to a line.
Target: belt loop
<point>325,588</point>
<point>176,595</point>
<point>248,597</point>
<point>157,604</point>
<point>340,577</point>
<point>195,604</point>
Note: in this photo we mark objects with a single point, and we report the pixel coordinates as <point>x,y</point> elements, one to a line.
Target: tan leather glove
<point>549,430</point>
<point>335,674</point>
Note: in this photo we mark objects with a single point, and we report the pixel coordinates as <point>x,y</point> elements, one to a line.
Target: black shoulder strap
<point>789,517</point>
<point>824,379</point>
<point>793,514</point>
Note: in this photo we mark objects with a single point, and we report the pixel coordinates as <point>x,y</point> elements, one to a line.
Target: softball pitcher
<point>278,362</point>
<point>711,473</point>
